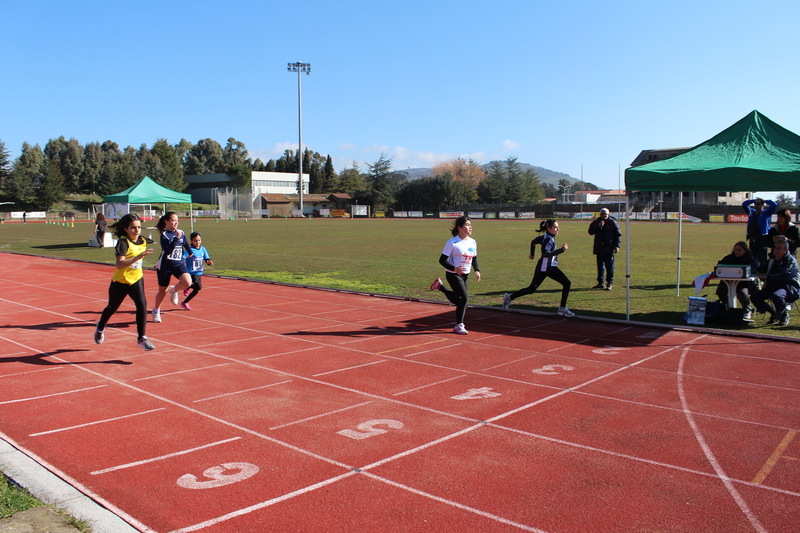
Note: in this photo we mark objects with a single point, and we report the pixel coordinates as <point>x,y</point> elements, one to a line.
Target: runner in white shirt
<point>459,257</point>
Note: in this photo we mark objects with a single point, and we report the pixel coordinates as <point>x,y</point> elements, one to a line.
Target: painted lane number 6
<point>218,477</point>
<point>367,429</point>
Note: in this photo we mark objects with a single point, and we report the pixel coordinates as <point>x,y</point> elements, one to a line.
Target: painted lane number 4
<point>367,429</point>
<point>218,476</point>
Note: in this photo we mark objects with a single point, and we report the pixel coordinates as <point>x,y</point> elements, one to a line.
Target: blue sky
<point>572,86</point>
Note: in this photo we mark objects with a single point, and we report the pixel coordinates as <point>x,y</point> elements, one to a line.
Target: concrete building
<point>202,187</point>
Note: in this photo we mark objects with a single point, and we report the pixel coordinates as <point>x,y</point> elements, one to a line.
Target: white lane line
<point>96,422</point>
<point>429,385</point>
<point>455,504</point>
<point>349,368</point>
<point>320,415</point>
<point>242,391</point>
<point>51,395</point>
<point>33,371</point>
<point>181,372</point>
<point>162,457</point>
<point>286,353</point>
<point>754,521</point>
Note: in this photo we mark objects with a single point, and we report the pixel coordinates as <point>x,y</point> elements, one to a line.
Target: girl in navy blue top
<point>173,243</point>
<point>547,267</point>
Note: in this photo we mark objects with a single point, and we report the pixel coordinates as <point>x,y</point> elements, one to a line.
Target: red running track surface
<point>277,408</point>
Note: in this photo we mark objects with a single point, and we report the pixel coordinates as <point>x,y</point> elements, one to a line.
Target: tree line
<point>41,178</point>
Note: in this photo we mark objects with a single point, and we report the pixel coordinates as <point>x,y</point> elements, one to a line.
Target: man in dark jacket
<point>781,286</point>
<point>606,243</point>
<point>759,214</point>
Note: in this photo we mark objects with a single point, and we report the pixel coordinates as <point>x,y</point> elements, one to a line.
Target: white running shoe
<point>99,336</point>
<point>145,343</point>
<point>564,311</point>
<point>748,315</point>
<point>156,315</point>
<point>506,301</point>
<point>173,295</point>
<point>460,329</point>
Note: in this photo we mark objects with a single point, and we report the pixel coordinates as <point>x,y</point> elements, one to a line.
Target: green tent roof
<point>755,154</point>
<point>147,191</point>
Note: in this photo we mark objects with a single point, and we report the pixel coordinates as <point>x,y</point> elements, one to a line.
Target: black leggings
<point>458,296</point>
<point>116,294</point>
<point>196,287</point>
<point>553,273</point>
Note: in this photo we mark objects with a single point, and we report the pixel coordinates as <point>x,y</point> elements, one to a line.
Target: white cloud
<point>347,146</point>
<point>510,146</point>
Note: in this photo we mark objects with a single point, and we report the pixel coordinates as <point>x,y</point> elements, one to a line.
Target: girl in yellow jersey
<point>128,279</point>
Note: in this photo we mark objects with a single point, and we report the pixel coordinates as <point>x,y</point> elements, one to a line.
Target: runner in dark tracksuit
<point>547,267</point>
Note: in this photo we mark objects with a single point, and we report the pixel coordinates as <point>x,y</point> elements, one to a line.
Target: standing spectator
<point>784,227</point>
<point>759,213</point>
<point>460,255</point>
<point>547,267</point>
<point>24,217</point>
<point>100,229</point>
<point>780,284</point>
<point>606,243</point>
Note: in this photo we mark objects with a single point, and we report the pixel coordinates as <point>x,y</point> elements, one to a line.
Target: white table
<point>732,284</point>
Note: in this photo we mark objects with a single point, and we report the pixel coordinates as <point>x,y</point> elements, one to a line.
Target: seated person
<point>784,227</point>
<point>781,287</point>
<point>739,256</point>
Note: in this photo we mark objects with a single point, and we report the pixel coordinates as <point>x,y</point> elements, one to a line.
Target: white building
<point>202,187</point>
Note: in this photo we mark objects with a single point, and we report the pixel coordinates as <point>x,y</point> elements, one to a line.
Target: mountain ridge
<point>546,176</point>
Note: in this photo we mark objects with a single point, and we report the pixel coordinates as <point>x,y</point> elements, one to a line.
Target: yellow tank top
<point>133,273</point>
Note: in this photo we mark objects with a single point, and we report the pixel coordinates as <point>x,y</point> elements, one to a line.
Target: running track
<point>279,408</point>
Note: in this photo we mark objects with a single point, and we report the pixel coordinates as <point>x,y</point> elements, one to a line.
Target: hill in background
<point>546,176</point>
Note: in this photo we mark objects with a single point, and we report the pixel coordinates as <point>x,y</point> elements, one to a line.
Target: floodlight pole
<point>300,67</point>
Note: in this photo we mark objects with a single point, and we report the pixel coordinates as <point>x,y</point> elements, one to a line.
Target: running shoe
<point>564,311</point>
<point>608,287</point>
<point>156,315</point>
<point>173,295</point>
<point>460,329</point>
<point>99,336</point>
<point>436,284</point>
<point>784,319</point>
<point>599,285</point>
<point>186,292</point>
<point>773,318</point>
<point>506,301</point>
<point>186,306</point>
<point>748,315</point>
<point>145,343</point>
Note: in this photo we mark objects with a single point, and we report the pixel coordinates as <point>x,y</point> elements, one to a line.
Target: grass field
<point>400,256</point>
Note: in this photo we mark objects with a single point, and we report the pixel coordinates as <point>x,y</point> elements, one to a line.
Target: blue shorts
<point>164,276</point>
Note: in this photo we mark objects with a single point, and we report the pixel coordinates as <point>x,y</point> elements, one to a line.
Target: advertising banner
<point>526,214</point>
<point>716,218</point>
<point>450,214</point>
<point>415,214</point>
<point>737,218</point>
<point>507,214</point>
<point>475,214</point>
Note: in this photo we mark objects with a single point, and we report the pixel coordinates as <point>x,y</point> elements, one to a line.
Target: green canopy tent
<point>147,191</point>
<point>754,154</point>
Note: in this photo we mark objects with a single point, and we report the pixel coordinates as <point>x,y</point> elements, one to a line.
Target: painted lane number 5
<point>551,370</point>
<point>367,429</point>
<point>218,477</point>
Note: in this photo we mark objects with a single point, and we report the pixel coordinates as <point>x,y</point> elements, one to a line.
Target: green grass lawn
<point>400,256</point>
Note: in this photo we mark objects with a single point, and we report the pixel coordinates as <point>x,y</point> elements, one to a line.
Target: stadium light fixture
<point>300,67</point>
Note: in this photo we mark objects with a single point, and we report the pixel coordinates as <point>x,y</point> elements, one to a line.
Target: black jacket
<point>607,237</point>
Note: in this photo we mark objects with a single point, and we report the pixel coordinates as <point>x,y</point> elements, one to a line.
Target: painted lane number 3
<point>367,429</point>
<point>217,476</point>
